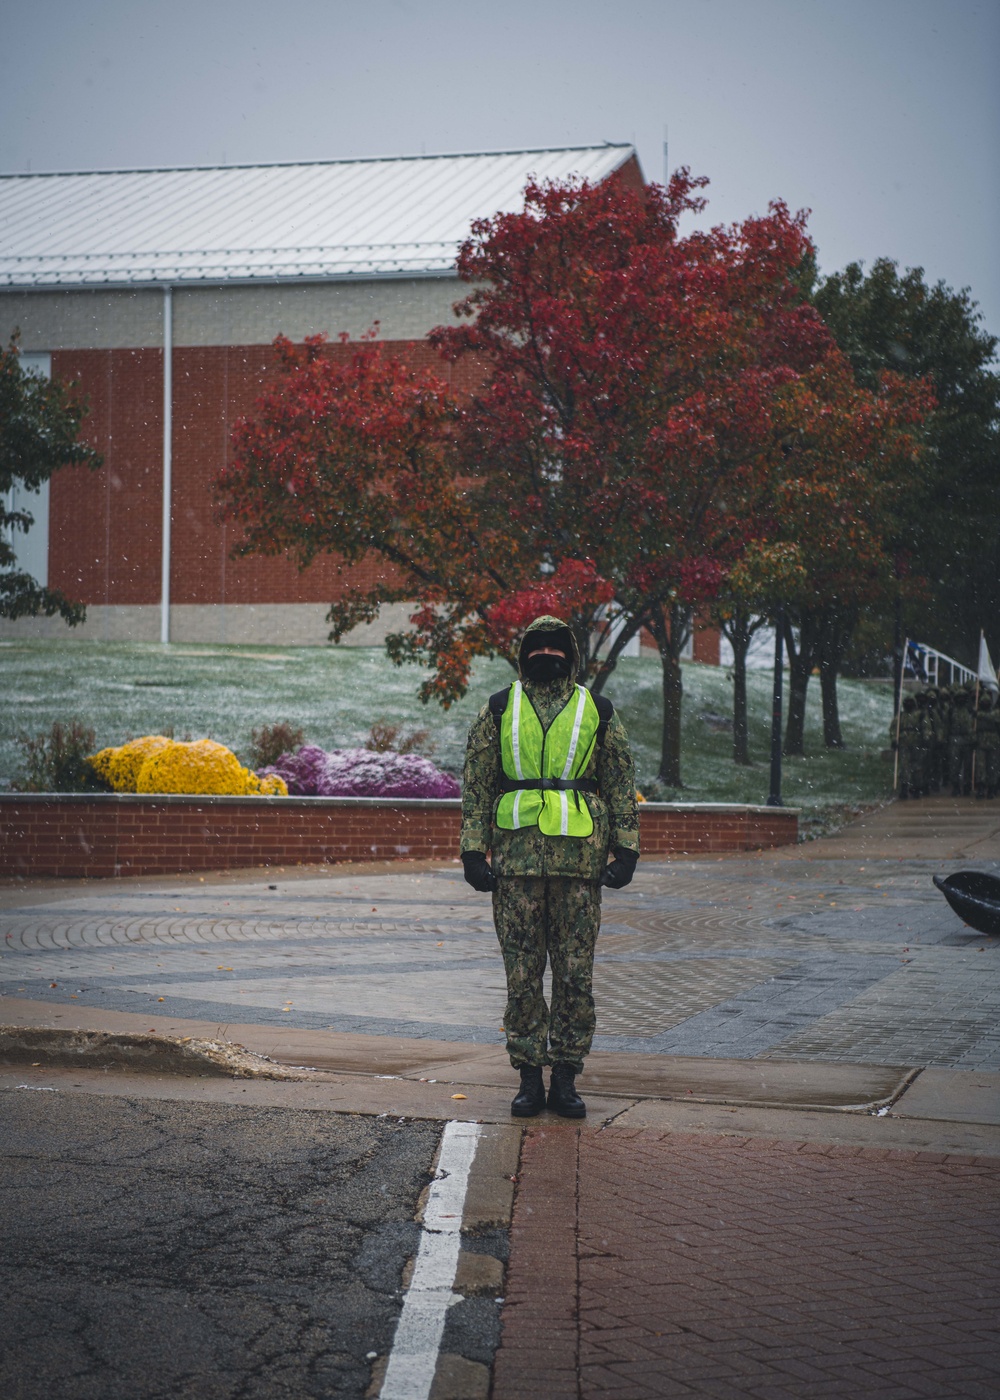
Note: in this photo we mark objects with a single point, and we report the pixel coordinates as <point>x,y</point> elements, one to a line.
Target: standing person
<point>906,742</point>
<point>923,746</point>
<point>938,748</point>
<point>987,745</point>
<point>549,791</point>
<point>960,743</point>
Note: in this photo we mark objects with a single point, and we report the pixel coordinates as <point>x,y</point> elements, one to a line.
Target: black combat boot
<point>530,1098</point>
<point>563,1098</point>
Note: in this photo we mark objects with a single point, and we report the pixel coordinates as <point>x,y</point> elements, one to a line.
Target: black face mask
<point>543,668</point>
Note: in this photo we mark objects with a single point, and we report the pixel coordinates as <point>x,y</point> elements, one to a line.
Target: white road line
<point>415,1347</point>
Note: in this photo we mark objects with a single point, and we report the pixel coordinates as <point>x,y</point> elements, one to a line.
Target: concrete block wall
<point>108,835</point>
<point>406,308</point>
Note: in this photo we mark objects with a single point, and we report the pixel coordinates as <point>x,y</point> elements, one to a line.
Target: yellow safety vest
<point>562,752</point>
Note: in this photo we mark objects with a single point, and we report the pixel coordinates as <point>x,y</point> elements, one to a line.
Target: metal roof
<point>400,216</point>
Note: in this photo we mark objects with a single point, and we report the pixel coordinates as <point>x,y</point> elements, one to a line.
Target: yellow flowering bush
<point>155,764</point>
<point>120,766</point>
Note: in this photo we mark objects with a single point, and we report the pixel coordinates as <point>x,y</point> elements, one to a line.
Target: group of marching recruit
<point>948,736</point>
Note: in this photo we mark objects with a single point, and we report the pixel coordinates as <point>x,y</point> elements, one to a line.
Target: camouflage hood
<point>559,633</point>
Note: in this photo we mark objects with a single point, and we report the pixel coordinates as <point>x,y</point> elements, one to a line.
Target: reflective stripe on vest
<point>563,751</point>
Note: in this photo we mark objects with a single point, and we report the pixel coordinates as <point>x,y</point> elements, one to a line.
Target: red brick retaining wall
<point>43,834</point>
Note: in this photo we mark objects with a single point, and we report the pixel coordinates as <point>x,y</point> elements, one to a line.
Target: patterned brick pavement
<point>650,1265</point>
<point>856,960</point>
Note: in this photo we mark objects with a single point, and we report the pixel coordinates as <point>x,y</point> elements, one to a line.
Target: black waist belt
<point>550,785</point>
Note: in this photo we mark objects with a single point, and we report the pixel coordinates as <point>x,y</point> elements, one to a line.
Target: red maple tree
<point>634,387</point>
<point>626,407</point>
<point>852,458</point>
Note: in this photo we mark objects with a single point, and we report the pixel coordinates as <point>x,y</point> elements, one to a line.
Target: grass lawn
<point>335,694</point>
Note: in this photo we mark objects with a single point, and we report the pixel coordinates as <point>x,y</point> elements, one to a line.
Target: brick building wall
<point>105,525</point>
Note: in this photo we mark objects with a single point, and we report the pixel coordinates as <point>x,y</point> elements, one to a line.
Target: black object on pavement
<point>975,897</point>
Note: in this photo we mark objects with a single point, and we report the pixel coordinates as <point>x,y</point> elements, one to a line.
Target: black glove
<point>619,873</point>
<point>477,871</point>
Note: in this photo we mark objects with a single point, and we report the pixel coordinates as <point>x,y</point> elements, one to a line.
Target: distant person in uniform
<point>549,792</point>
<point>987,773</point>
<point>960,743</point>
<point>905,740</point>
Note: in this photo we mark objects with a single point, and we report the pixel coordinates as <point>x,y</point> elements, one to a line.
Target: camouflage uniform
<point>938,747</point>
<point>924,746</point>
<point>987,745</point>
<point>548,900</point>
<point>909,724</point>
<point>960,743</point>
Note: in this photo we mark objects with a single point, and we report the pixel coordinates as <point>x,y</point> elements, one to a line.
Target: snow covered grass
<point>827,783</point>
<point>335,695</point>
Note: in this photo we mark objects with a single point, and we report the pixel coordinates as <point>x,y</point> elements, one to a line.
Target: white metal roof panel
<point>401,216</point>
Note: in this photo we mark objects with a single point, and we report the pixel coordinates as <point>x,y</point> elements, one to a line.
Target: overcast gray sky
<point>881,116</point>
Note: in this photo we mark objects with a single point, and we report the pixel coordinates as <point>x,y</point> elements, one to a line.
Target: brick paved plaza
<point>647,1264</point>
<point>809,955</point>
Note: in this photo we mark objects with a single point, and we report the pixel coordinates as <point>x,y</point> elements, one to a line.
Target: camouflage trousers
<point>987,771</point>
<point>558,919</point>
<point>907,770</point>
<point>960,764</point>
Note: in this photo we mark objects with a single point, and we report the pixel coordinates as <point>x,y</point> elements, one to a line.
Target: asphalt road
<point>157,1250</point>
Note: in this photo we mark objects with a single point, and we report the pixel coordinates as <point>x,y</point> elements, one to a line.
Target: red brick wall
<point>668,829</point>
<point>104,533</point>
<point>104,526</point>
<point>106,836</point>
<point>706,645</point>
<point>630,174</point>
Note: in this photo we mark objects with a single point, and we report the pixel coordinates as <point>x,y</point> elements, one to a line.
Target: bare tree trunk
<point>801,660</point>
<point>741,736</point>
<point>670,632</point>
<point>606,666</point>
<point>832,737</point>
<point>673,694</point>
<point>739,630</point>
<point>836,633</point>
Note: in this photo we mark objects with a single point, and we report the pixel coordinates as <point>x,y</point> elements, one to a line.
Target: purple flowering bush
<point>312,772</point>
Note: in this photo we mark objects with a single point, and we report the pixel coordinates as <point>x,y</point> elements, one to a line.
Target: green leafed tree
<point>40,423</point>
<point>890,320</point>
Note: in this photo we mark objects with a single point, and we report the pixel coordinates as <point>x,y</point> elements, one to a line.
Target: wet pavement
<point>648,1264</point>
<point>786,1185</point>
<point>828,954</point>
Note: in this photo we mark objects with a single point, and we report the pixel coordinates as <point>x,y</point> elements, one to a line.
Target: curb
<point>184,1055</point>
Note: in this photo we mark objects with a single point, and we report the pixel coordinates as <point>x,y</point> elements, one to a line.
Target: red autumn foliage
<point>622,452</point>
<point>575,591</point>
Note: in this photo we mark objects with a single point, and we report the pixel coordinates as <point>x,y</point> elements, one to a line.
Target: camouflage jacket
<point>988,729</point>
<point>526,852</point>
<point>909,729</point>
<point>962,721</point>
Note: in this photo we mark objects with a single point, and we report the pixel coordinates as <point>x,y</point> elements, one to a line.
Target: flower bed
<point>156,764</point>
<point>313,772</point>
